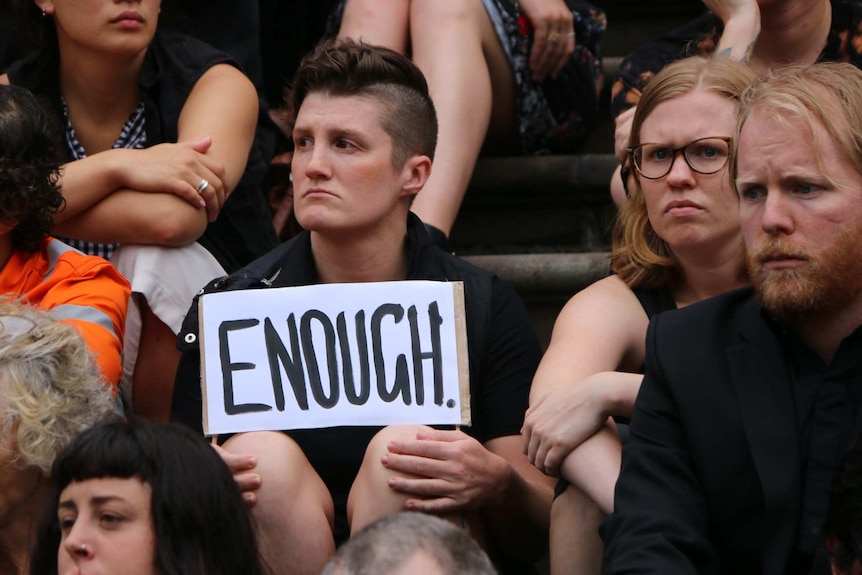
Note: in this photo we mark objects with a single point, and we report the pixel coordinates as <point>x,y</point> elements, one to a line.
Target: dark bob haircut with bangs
<point>201,525</point>
<point>350,68</point>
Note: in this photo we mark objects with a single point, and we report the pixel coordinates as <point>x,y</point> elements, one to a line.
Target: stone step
<point>546,281</point>
<point>541,174</point>
<point>546,274</point>
<point>536,204</point>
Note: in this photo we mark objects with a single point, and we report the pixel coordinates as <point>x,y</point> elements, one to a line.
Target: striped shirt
<point>133,136</point>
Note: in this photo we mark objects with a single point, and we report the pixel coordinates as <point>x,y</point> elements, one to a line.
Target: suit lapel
<point>764,391</point>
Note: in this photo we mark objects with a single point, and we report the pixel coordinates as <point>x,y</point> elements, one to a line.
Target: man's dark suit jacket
<point>711,480</point>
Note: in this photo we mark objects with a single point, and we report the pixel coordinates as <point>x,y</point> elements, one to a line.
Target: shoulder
<point>286,265</point>
<point>609,300</point>
<point>80,274</point>
<point>702,326</point>
<point>609,290</point>
<point>282,266</point>
<point>33,71</point>
<point>177,61</point>
<point>187,49</point>
<point>606,305</point>
<point>61,256</point>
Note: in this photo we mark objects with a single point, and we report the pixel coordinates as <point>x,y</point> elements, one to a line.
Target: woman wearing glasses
<point>676,241</point>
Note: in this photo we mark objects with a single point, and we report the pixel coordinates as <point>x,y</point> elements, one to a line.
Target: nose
<point>76,544</point>
<point>680,174</point>
<point>317,165</point>
<point>775,217</point>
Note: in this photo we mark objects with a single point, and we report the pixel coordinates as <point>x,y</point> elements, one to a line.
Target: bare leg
<point>294,513</point>
<point>380,22</point>
<point>576,548</point>
<point>155,368</point>
<point>370,497</point>
<point>594,466</point>
<point>472,85</point>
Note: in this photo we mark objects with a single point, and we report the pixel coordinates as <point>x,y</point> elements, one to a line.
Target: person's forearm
<point>620,390</point>
<point>86,182</point>
<point>128,216</point>
<point>739,36</point>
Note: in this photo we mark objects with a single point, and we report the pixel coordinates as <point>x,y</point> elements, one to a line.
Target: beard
<point>826,282</point>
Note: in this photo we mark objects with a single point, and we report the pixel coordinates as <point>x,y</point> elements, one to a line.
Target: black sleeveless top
<point>173,64</point>
<point>655,300</point>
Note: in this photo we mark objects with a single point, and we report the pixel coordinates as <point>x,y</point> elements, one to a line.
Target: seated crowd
<point>697,410</point>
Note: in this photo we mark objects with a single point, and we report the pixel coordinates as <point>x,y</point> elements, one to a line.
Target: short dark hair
<point>389,542</point>
<point>29,168</point>
<point>842,527</point>
<point>200,522</point>
<point>350,68</point>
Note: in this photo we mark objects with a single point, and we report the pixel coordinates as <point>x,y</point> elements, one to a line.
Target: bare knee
<point>294,512</point>
<point>288,481</point>
<point>371,497</point>
<point>380,22</point>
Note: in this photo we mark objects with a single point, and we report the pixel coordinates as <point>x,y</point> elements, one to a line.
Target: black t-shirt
<point>504,353</point>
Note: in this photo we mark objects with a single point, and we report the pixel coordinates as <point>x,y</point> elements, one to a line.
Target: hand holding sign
<point>455,471</point>
<point>242,469</point>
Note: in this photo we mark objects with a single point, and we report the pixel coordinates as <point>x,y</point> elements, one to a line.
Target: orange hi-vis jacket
<point>85,291</point>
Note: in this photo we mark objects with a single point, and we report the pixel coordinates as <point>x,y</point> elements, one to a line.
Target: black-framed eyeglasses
<point>704,156</point>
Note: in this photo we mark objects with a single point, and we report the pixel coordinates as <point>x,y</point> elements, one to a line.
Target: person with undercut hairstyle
<point>365,135</point>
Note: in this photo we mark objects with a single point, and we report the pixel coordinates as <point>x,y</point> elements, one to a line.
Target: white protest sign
<point>327,355</point>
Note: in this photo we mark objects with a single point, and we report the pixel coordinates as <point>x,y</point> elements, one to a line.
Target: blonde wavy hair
<point>827,92</point>
<point>50,387</point>
<point>639,256</point>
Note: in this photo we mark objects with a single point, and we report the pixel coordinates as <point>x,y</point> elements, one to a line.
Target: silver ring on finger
<point>202,186</point>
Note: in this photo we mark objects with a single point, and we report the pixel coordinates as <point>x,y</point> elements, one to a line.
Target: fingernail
<point>384,460</point>
<point>252,462</point>
<point>391,482</point>
<point>255,480</point>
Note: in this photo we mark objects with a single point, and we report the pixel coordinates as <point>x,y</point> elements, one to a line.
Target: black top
<point>173,64</point>
<point>827,398</point>
<point>503,353</point>
<point>655,300</point>
<point>714,479</point>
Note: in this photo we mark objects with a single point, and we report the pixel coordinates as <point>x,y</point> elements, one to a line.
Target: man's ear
<point>415,173</point>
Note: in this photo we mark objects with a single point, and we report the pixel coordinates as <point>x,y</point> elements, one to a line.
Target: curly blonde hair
<point>50,387</point>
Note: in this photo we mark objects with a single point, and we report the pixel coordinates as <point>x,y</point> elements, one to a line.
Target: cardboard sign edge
<point>461,347</point>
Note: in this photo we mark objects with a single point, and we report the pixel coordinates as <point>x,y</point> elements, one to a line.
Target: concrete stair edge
<point>546,274</point>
